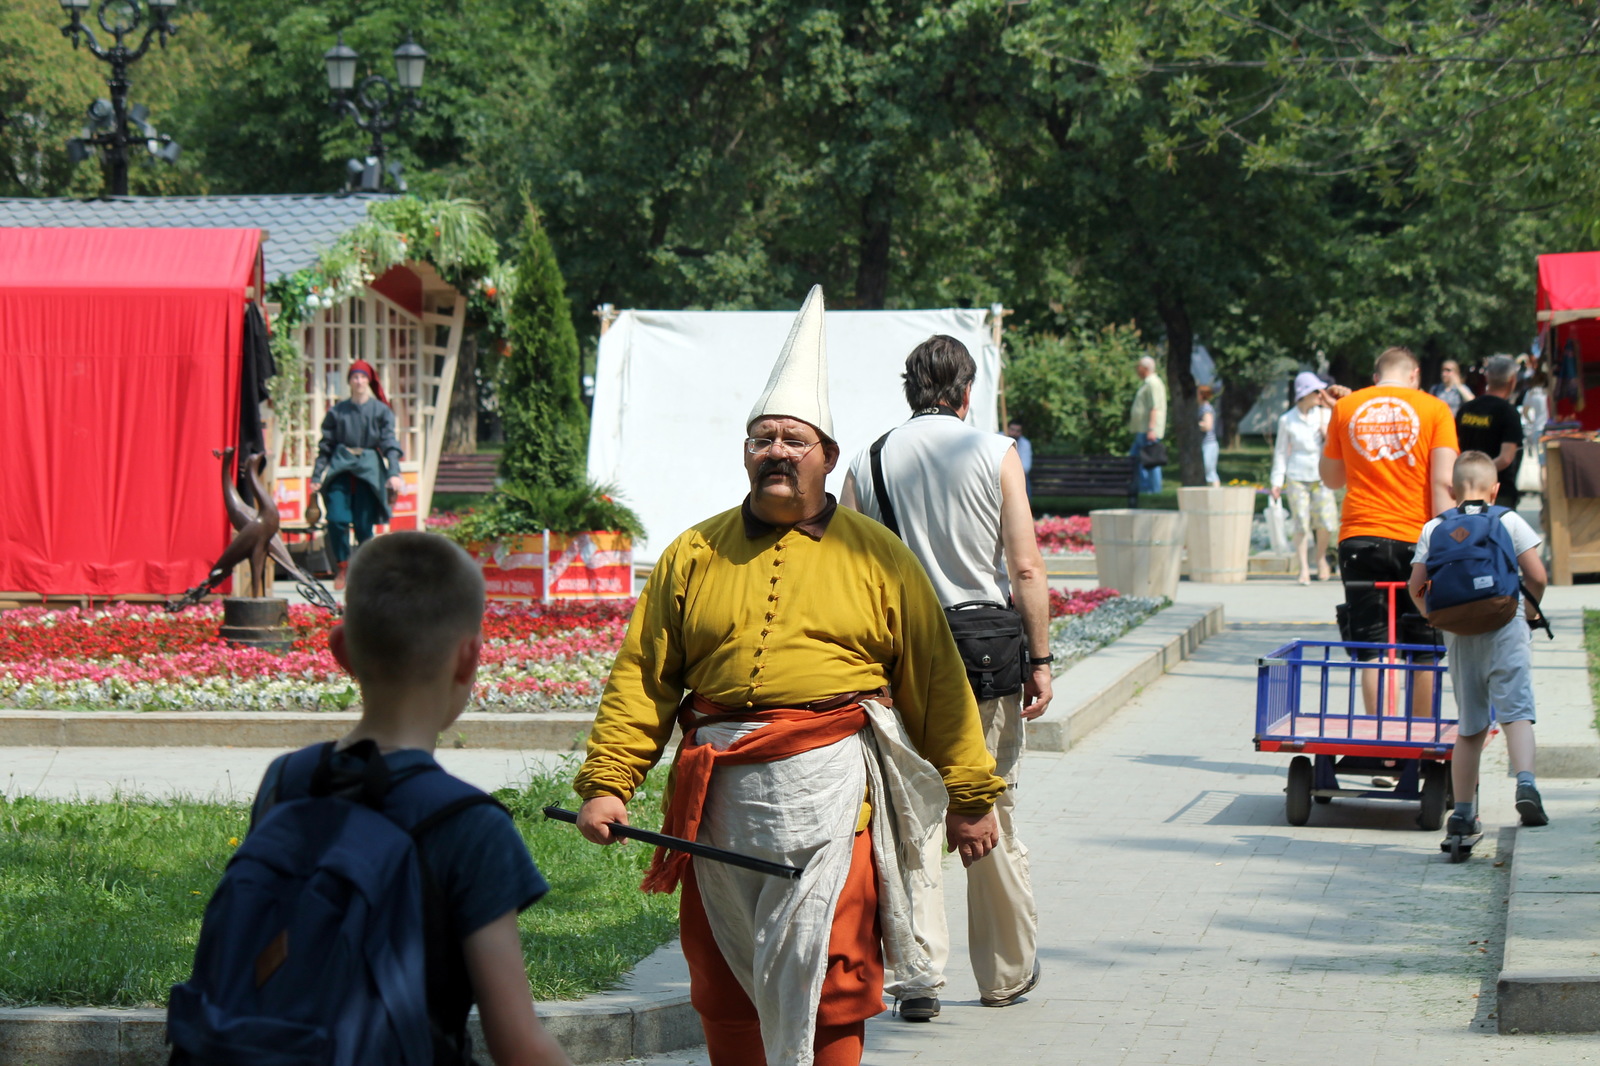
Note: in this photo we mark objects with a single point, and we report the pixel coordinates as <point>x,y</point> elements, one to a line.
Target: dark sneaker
<point>1006,1001</point>
<point>920,1009</point>
<point>1458,826</point>
<point>1530,806</point>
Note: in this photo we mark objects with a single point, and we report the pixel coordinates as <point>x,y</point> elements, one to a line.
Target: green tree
<point>541,403</point>
<point>694,153</point>
<point>1195,247</point>
<point>268,125</point>
<point>1072,390</point>
<point>46,88</point>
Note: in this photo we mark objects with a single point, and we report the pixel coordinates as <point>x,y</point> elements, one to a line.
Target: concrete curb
<point>1106,680</point>
<point>650,1015</point>
<point>1550,976</point>
<point>555,731</point>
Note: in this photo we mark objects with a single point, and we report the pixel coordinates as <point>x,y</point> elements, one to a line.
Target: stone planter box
<point>557,566</point>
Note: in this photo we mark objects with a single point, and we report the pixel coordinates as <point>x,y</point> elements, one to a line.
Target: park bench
<point>467,473</point>
<point>1085,475</point>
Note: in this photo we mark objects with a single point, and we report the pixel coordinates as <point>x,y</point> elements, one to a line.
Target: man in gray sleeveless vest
<point>958,497</point>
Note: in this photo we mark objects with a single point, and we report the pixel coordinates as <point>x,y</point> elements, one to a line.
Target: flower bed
<point>1063,536</point>
<point>1065,604</point>
<point>1075,635</point>
<point>128,657</point>
<point>132,657</point>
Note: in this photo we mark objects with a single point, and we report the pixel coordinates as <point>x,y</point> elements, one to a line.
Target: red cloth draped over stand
<point>120,354</point>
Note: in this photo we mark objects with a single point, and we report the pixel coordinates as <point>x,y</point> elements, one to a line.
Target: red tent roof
<point>120,357</point>
<point>1569,282</point>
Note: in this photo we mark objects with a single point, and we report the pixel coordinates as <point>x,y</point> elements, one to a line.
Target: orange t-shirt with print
<point>1385,436</point>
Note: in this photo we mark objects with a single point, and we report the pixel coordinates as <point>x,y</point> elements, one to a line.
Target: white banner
<point>672,389</point>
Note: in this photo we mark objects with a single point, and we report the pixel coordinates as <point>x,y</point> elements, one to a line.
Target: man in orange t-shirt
<point>1394,447</point>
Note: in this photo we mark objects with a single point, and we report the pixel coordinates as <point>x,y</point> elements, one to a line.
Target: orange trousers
<point>852,990</point>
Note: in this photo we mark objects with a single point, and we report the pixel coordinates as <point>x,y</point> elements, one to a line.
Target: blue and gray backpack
<point>1472,571</point>
<point>327,940</point>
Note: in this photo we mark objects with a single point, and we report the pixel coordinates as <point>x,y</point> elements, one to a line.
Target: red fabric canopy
<point>1569,308</point>
<point>1569,281</point>
<point>120,354</point>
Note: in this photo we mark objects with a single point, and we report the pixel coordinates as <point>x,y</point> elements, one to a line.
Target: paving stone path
<point>1184,921</point>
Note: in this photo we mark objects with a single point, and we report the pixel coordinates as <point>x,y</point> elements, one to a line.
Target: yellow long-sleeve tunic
<point>750,615</point>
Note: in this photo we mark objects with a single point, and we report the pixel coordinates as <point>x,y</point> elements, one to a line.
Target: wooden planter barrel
<point>257,623</point>
<point>1219,532</point>
<point>1138,552</point>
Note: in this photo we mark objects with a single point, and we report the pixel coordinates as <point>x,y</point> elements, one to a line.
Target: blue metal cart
<point>1308,702</point>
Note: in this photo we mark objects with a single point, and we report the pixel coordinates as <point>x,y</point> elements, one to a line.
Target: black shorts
<point>1380,559</point>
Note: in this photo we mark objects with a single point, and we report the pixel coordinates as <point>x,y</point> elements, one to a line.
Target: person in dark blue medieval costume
<point>358,464</point>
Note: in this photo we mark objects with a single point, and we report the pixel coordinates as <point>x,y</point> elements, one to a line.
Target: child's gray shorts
<point>1492,669</point>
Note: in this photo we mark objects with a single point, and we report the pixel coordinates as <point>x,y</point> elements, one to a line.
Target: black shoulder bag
<point>988,635</point>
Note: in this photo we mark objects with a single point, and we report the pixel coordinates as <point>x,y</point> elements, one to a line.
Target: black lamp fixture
<point>109,120</point>
<point>378,106</point>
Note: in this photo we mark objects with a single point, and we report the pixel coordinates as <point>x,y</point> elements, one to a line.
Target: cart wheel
<point>1435,794</point>
<point>1297,796</point>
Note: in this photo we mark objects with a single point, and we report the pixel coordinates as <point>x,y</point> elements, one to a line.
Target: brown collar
<point>813,527</point>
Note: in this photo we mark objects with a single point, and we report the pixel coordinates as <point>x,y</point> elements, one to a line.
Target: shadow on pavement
<point>1194,762</point>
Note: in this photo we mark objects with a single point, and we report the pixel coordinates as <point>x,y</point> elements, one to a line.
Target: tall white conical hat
<point>798,387</point>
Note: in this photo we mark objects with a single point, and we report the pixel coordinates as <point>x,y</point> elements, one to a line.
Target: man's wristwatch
<point>1040,660</point>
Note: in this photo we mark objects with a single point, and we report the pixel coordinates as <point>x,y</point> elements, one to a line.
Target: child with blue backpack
<point>1471,568</point>
<point>375,897</point>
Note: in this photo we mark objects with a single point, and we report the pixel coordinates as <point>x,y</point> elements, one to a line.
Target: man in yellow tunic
<point>771,633</point>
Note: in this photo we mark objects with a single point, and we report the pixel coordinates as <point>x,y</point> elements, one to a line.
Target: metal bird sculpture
<point>256,538</point>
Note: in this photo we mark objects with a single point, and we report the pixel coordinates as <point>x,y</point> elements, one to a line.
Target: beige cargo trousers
<point>1002,920</point>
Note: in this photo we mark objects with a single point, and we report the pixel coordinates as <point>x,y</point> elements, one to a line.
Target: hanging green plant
<point>451,235</point>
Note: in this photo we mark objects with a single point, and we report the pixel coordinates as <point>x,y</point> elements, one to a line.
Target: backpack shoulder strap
<point>293,778</point>
<point>885,505</point>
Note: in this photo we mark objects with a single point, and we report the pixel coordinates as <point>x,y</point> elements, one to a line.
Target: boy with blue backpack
<point>375,897</point>
<point>1473,566</point>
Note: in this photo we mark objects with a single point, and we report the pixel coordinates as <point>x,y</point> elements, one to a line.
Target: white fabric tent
<point>672,389</point>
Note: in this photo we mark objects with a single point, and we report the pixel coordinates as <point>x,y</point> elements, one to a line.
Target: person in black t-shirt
<point>1491,424</point>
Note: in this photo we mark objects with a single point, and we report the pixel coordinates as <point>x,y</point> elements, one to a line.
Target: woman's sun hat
<point>1305,383</point>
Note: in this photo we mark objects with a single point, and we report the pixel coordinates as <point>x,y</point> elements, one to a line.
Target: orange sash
<point>789,731</point>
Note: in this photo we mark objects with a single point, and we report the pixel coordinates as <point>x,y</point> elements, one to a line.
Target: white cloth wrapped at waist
<point>802,811</point>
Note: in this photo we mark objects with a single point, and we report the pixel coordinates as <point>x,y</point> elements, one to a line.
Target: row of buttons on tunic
<point>772,597</point>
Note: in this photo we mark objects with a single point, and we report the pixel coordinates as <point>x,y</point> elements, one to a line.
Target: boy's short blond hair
<point>1475,472</point>
<point>410,600</point>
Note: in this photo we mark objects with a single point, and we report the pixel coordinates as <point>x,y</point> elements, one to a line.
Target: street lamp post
<point>121,19</point>
<point>379,105</point>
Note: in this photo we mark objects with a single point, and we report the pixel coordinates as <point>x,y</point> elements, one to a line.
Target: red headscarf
<point>365,367</point>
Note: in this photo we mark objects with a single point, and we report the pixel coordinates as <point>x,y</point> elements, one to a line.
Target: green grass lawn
<point>100,902</point>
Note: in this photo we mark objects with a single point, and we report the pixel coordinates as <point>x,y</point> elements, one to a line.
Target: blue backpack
<point>327,940</point>
<point>1472,571</point>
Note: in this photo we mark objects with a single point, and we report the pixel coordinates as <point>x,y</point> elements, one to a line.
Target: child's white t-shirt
<point>1523,536</point>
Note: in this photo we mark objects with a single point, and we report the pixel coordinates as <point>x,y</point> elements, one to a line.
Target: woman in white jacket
<point>1302,431</point>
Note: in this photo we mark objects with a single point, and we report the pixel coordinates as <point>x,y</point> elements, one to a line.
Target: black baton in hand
<point>704,851</point>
